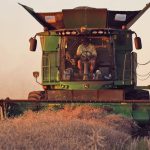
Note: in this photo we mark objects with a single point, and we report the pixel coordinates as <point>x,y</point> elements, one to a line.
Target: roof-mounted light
<point>63,33</point>
<point>105,32</point>
<point>68,33</point>
<point>74,32</point>
<point>59,33</point>
<point>94,32</point>
<point>100,32</point>
<point>97,32</point>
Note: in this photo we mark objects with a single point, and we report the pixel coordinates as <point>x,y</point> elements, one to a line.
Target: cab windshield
<point>86,58</point>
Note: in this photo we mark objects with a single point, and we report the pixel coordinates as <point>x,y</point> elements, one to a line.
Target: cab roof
<point>86,17</point>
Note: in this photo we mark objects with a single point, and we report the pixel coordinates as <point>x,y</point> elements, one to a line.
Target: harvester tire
<point>36,95</point>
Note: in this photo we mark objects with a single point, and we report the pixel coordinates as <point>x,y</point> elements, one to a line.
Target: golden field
<point>72,128</point>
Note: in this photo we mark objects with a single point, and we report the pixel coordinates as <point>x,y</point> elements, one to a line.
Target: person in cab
<point>86,52</point>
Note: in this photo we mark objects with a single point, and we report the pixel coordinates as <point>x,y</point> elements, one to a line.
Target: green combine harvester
<point>67,77</point>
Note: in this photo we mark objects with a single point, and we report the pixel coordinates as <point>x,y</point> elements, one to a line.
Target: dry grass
<point>73,128</point>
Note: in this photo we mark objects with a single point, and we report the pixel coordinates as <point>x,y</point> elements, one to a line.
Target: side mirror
<point>36,74</point>
<point>33,44</point>
<point>138,43</point>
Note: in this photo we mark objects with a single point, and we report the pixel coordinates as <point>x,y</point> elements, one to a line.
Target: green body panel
<point>50,61</point>
<point>91,85</point>
<point>49,43</point>
<point>78,85</point>
<point>117,108</point>
<point>50,67</point>
<point>122,82</point>
<point>141,114</point>
<point>124,57</point>
<point>82,85</point>
<point>123,41</point>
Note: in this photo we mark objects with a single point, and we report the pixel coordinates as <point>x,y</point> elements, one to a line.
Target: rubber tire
<point>36,95</point>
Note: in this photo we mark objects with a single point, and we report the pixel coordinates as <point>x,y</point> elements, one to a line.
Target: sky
<point>16,27</point>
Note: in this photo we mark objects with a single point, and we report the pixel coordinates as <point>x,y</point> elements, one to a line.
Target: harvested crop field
<point>72,128</point>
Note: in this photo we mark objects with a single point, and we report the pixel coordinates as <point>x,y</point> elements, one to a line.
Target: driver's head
<point>85,41</point>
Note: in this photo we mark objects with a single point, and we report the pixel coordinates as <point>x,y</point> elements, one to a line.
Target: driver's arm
<point>79,50</point>
<point>93,51</point>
